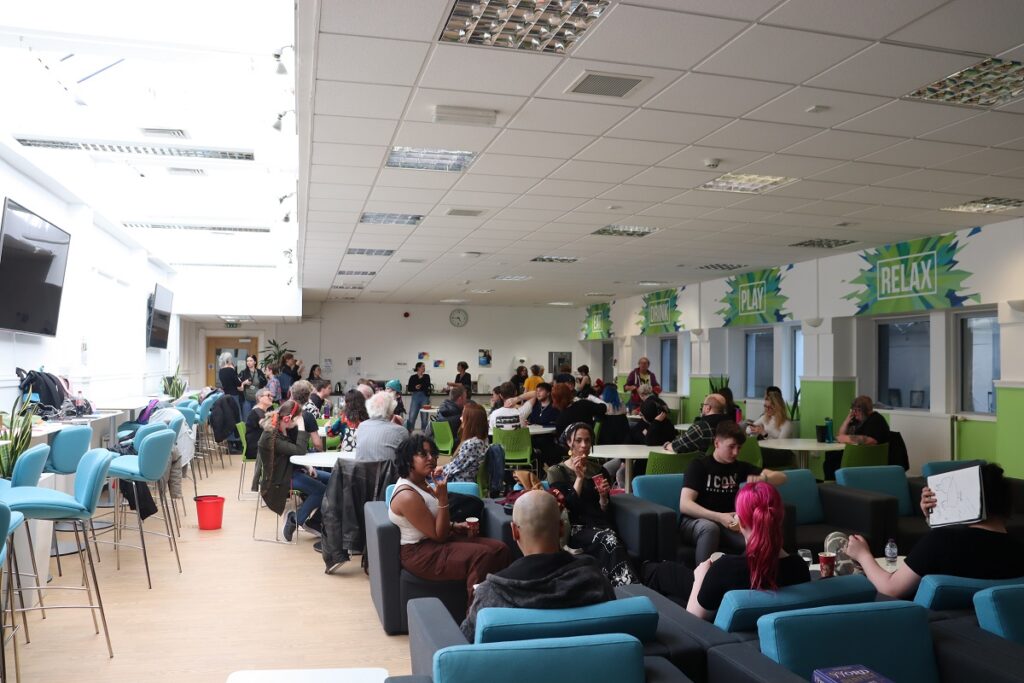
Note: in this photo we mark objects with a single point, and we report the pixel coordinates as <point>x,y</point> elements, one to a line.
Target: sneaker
<point>312,526</point>
<point>336,565</point>
<point>289,527</point>
<point>311,531</point>
<point>318,546</point>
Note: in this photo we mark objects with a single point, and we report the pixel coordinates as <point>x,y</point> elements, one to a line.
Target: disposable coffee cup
<point>599,480</point>
<point>473,526</point>
<point>826,564</point>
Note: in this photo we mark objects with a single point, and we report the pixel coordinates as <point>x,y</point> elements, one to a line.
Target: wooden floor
<point>239,604</point>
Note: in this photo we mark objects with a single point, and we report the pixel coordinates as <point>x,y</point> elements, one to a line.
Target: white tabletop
<point>626,451</point>
<point>310,676</point>
<point>683,426</point>
<point>322,459</point>
<point>634,418</point>
<point>428,411</point>
<point>810,445</point>
<point>535,430</point>
<point>131,402</point>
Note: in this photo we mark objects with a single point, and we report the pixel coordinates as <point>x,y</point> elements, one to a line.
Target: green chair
<point>246,458</point>
<point>443,436</point>
<point>865,456</point>
<point>483,480</point>
<point>662,462</point>
<point>597,432</point>
<point>332,443</point>
<point>673,415</point>
<point>750,452</point>
<point>518,447</point>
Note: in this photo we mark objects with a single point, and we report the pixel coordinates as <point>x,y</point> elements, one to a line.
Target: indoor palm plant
<point>174,386</point>
<point>19,432</point>
<point>272,354</point>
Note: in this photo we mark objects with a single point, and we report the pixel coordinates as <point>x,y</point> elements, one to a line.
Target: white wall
<point>101,332</point>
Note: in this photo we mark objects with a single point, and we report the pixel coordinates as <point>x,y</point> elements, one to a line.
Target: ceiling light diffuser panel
<point>555,259</point>
<point>616,230</point>
<point>987,205</point>
<point>986,84</point>
<point>419,159</point>
<point>539,25</point>
<point>391,218</point>
<point>747,183</point>
<point>823,243</point>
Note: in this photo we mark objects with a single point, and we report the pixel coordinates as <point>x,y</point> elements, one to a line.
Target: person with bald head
<point>701,434</point>
<point>545,577</point>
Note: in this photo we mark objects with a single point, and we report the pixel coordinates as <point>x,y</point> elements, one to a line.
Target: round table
<point>683,426</point>
<point>802,447</point>
<point>322,459</point>
<point>535,430</point>
<point>628,453</point>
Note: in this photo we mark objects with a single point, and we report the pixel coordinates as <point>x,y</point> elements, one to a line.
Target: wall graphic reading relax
<point>660,313</point>
<point>919,275</point>
<point>598,323</point>
<point>754,299</point>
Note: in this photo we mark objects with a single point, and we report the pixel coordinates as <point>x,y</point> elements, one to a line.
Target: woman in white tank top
<point>432,547</point>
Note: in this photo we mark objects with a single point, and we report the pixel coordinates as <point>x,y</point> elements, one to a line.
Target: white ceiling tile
<point>345,175</point>
<point>865,18</point>
<point>567,117</point>
<point>488,199</point>
<point>988,129</point>
<point>321,204</point>
<point>627,151</point>
<point>733,9</point>
<point>770,202</point>
<point>360,99</point>
<point>444,136</point>
<point>614,208</point>
<point>695,156</point>
<point>385,18</point>
<point>830,208</point>
<point>513,214</point>
<point>929,180</point>
<point>708,198</point>
<point>663,126</point>
<point>369,60</point>
<point>672,177</point>
<point>778,54</point>
<point>986,161</point>
<point>718,95</point>
<point>920,153</point>
<point>892,70</point>
<point>596,170</point>
<point>338,191</point>
<point>477,182</point>
<point>980,26</point>
<point>407,177</point>
<point>405,194</point>
<point>574,69</point>
<point>993,186</point>
<point>789,165</point>
<point>640,35</point>
<point>424,100</point>
<point>484,69</point>
<point>792,107</point>
<point>640,193</point>
<point>540,144</point>
<point>335,217</point>
<point>861,173</point>
<point>758,135</point>
<point>1014,144</point>
<point>895,197</point>
<point>351,130</point>
<point>348,155</point>
<point>532,201</point>
<point>392,206</point>
<point>813,189</point>
<point>908,118</point>
<point>679,211</point>
<point>506,164</point>
<point>570,188</point>
<point>840,144</point>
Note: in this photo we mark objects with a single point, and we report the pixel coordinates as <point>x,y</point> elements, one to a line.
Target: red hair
<point>759,508</point>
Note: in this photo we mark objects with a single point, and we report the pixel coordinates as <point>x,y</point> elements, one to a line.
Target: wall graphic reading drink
<point>660,313</point>
<point>755,298</point>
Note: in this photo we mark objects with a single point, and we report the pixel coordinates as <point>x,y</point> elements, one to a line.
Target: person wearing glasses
<point>701,434</point>
<point>862,426</point>
<point>773,424</point>
<point>639,377</point>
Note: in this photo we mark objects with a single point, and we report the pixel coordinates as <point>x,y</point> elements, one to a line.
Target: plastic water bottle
<point>829,434</point>
<point>891,553</point>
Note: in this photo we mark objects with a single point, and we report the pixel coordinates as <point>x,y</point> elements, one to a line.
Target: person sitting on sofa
<point>545,577</point>
<point>974,551</point>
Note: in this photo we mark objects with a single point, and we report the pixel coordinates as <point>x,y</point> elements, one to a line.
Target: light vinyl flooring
<point>238,604</point>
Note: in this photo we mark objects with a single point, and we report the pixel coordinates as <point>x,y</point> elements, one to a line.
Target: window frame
<point>958,349</point>
<point>750,373</point>
<point>889,320</point>
<point>665,376</point>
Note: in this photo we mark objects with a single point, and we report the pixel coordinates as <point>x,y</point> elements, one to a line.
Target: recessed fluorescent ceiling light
<point>521,24</point>
<point>986,84</point>
<point>481,291</point>
<point>359,251</point>
<point>430,159</point>
<point>512,278</point>
<point>559,303</point>
<point>445,113</point>
<point>555,259</point>
<point>823,243</point>
<point>391,218</point>
<point>454,301</point>
<point>412,260</point>
<point>722,266</point>
<point>625,230</point>
<point>236,319</point>
<point>747,183</point>
<point>347,287</point>
<point>357,272</point>
<point>987,205</point>
<point>650,283</point>
<point>600,294</point>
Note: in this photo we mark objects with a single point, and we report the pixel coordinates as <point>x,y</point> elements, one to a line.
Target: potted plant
<point>718,383</point>
<point>794,411</point>
<point>272,354</point>
<point>174,386</point>
<point>19,433</point>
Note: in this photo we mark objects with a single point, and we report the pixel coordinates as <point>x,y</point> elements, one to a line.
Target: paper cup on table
<point>473,526</point>
<point>599,480</point>
<point>826,564</point>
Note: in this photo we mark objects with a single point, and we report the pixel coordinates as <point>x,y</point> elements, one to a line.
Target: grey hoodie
<point>556,580</point>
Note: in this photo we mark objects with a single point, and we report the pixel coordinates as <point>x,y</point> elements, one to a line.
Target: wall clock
<point>458,317</point>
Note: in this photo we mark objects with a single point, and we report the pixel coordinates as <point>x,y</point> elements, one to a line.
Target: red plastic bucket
<point>210,510</point>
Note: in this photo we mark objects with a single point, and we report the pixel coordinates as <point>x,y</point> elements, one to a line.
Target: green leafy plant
<point>19,433</point>
<point>174,386</point>
<point>794,407</point>
<point>717,383</point>
<point>272,354</point>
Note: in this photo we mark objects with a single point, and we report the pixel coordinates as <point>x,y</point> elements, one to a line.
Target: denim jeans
<point>495,460</point>
<point>313,488</point>
<point>418,400</point>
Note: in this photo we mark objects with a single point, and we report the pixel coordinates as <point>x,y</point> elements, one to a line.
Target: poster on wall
<point>755,298</point>
<point>439,363</point>
<point>660,312</point>
<point>598,322</point>
<point>919,275</point>
<point>423,355</point>
<point>483,358</point>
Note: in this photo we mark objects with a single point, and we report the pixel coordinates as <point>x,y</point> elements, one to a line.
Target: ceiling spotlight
<point>277,124</point>
<point>281,68</point>
<point>287,217</point>
<point>280,200</point>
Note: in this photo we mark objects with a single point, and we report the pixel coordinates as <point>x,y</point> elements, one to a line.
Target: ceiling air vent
<point>722,266</point>
<point>606,85</point>
<point>138,149</point>
<point>201,228</point>
<point>413,260</point>
<point>191,172</point>
<point>466,213</point>
<point>823,243</point>
<point>177,133</point>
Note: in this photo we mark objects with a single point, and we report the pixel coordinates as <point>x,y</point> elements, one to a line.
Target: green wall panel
<point>824,398</point>
<point>699,388</point>
<point>977,439</point>
<point>1009,417</point>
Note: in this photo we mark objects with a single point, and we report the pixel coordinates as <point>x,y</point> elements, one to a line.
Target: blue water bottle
<point>830,436</point>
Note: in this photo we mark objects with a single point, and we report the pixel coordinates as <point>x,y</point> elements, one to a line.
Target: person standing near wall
<point>229,380</point>
<point>419,388</point>
<point>463,377</point>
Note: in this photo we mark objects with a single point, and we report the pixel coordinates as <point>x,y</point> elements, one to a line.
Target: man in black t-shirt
<point>708,499</point>
<point>977,551</point>
<point>862,426</point>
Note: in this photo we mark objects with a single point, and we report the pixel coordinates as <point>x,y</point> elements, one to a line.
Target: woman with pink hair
<point>764,565</point>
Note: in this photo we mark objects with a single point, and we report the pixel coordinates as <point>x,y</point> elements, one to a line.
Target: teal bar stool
<point>145,468</point>
<point>41,503</point>
<point>10,521</point>
<point>177,424</point>
<point>66,449</point>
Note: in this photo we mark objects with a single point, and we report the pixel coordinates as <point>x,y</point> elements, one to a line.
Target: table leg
<point>629,475</point>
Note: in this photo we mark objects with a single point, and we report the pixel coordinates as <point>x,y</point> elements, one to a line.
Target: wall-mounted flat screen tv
<point>159,318</point>
<point>33,258</point>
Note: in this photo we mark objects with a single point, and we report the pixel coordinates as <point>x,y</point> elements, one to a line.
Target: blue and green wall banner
<point>755,298</point>
<point>598,322</point>
<point>915,276</point>
<point>660,313</point>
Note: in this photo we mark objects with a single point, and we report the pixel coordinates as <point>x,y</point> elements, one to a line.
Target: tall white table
<point>535,430</point>
<point>322,459</point>
<point>802,447</point>
<point>131,404</point>
<point>627,453</point>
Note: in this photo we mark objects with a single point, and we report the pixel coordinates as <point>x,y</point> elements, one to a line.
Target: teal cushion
<point>889,480</point>
<point>612,658</point>
<point>801,491</point>
<point>890,637</point>
<point>740,609</point>
<point>468,488</point>
<point>636,616</point>
<point>125,467</point>
<point>40,503</point>
<point>1001,611</point>
<point>663,489</point>
<point>17,519</point>
<point>940,466</point>
<point>940,592</point>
